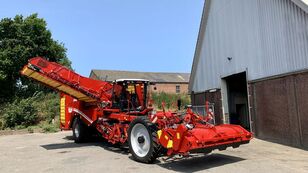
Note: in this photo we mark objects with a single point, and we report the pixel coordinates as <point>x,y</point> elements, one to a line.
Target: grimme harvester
<point>119,111</point>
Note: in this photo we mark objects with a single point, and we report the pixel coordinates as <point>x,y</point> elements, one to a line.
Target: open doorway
<point>236,86</point>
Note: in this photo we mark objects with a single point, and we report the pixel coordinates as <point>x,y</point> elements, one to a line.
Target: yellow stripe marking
<point>62,110</point>
<point>170,144</point>
<point>178,135</point>
<point>159,132</point>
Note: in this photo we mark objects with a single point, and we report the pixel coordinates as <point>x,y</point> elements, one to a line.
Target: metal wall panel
<point>266,37</point>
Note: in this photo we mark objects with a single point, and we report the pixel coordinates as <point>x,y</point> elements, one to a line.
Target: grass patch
<point>30,130</point>
<point>49,127</point>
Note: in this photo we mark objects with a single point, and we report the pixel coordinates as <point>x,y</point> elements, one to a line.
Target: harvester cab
<point>130,95</point>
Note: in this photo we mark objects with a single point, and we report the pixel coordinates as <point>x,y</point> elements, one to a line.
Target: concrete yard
<point>58,153</point>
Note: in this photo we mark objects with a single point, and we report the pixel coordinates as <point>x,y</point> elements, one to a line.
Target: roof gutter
<point>303,4</point>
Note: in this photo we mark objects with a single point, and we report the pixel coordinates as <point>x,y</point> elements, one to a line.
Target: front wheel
<point>142,140</point>
<point>80,131</point>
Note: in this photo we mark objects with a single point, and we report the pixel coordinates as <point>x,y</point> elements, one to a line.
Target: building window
<point>177,89</point>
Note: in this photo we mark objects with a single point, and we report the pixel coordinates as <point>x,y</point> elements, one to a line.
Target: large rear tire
<point>143,141</point>
<point>80,131</point>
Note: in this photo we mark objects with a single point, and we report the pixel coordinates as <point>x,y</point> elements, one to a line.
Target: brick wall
<point>280,109</point>
<point>169,88</point>
<point>160,87</point>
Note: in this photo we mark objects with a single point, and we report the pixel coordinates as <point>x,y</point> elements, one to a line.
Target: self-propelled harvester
<point>121,113</point>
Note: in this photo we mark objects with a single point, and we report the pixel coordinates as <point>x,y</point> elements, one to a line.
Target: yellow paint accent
<point>159,132</point>
<point>26,71</point>
<point>40,78</point>
<point>48,81</point>
<point>170,144</point>
<point>178,135</point>
<point>76,94</point>
<point>62,110</point>
<point>44,79</point>
<point>166,137</point>
<point>131,89</point>
<point>34,75</point>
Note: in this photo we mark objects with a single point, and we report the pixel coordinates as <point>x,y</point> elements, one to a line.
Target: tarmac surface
<point>58,153</point>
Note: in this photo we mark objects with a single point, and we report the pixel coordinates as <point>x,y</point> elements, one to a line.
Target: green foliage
<point>170,100</point>
<point>23,102</point>
<point>1,124</point>
<point>30,111</point>
<point>21,39</point>
<point>47,106</point>
<point>20,113</point>
<point>49,127</point>
<point>30,129</point>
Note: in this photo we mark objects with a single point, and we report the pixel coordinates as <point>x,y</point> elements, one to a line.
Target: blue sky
<point>138,35</point>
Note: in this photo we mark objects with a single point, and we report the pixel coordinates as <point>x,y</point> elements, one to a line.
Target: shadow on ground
<point>92,142</point>
<point>190,164</point>
<point>194,164</point>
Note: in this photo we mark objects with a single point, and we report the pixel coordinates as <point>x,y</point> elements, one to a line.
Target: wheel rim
<point>140,140</point>
<point>76,130</point>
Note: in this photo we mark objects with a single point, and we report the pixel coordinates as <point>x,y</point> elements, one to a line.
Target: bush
<point>2,125</point>
<point>47,106</point>
<point>20,112</point>
<point>2,122</point>
<point>26,112</point>
<point>170,100</point>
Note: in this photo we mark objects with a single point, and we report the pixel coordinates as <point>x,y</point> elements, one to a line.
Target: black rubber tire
<point>155,148</point>
<point>81,128</point>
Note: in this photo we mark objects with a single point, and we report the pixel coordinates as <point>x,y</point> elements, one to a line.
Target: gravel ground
<point>58,153</point>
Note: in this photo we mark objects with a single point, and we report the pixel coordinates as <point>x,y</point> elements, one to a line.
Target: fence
<point>201,111</point>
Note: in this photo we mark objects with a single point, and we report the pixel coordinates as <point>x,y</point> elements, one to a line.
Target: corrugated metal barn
<point>251,60</point>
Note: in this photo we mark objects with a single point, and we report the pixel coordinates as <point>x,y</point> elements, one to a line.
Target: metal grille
<point>201,111</point>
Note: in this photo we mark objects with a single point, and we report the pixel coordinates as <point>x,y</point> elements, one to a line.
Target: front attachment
<point>202,138</point>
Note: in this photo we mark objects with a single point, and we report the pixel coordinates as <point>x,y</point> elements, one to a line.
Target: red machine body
<point>99,104</point>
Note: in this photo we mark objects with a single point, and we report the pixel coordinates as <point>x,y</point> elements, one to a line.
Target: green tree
<point>21,39</point>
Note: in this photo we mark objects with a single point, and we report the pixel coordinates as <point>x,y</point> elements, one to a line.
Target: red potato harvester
<point>120,112</point>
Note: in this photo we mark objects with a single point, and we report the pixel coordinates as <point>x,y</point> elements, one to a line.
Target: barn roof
<point>112,75</point>
<point>303,4</point>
